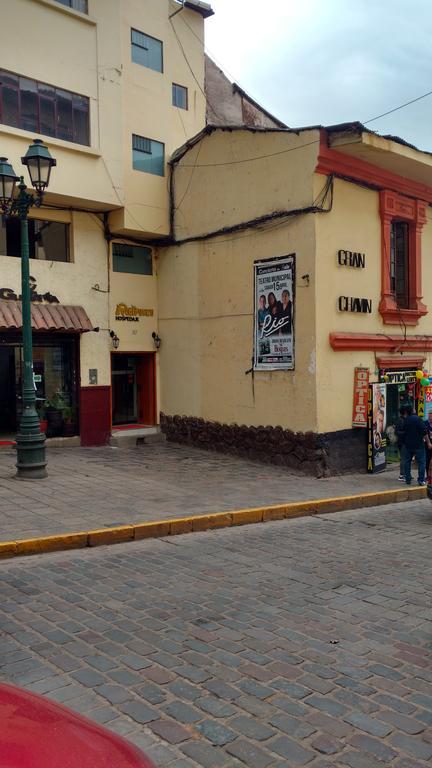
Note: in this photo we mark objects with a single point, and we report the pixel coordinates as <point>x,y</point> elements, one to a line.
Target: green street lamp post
<point>31,461</point>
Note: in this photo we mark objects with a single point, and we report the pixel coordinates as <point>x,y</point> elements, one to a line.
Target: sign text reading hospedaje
<point>131,314</point>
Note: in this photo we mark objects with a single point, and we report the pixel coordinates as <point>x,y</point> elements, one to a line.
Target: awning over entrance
<point>45,317</point>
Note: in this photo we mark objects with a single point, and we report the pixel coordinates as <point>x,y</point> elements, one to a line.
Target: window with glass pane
<point>41,108</point>
<point>179,96</point>
<point>29,104</point>
<point>48,240</point>
<point>148,155</point>
<point>77,5</point>
<point>147,51</point>
<point>133,259</point>
<point>399,267</point>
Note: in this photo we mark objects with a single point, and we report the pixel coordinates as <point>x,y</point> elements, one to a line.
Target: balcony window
<point>132,259</point>
<point>48,240</point>
<point>148,155</point>
<point>77,5</point>
<point>40,108</point>
<point>179,96</point>
<point>147,51</point>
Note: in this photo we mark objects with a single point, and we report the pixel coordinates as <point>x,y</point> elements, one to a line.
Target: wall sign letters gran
<point>351,259</point>
<point>351,304</point>
<point>131,314</point>
<point>7,294</point>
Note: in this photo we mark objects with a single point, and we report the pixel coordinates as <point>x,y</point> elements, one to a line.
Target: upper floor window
<point>42,108</point>
<point>132,259</point>
<point>399,262</point>
<point>402,220</point>
<point>77,5</point>
<point>148,155</point>
<point>179,96</point>
<point>147,51</point>
<point>48,240</point>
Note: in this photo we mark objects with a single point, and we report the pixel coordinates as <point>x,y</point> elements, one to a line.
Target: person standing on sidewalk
<point>413,438</point>
<point>400,430</point>
<point>428,442</point>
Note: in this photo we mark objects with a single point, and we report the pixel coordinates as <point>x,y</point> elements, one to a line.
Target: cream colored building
<point>115,87</point>
<point>229,289</point>
<point>350,210</point>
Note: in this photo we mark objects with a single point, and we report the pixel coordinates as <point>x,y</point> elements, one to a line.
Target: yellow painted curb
<point>151,530</point>
<point>188,524</point>
<point>51,543</point>
<point>114,535</point>
<point>8,548</point>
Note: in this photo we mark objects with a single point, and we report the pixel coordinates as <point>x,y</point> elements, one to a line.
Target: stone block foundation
<point>319,455</point>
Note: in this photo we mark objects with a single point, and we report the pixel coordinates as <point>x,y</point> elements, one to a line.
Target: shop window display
<point>55,377</point>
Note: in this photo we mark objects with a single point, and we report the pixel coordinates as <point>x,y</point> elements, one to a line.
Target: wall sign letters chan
<point>353,304</point>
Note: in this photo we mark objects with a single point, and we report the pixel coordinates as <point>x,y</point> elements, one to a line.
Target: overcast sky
<point>313,62</point>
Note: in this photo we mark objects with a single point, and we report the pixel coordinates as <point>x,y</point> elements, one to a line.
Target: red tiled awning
<point>45,317</point>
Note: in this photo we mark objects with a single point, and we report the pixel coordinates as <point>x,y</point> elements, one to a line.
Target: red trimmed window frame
<point>396,207</point>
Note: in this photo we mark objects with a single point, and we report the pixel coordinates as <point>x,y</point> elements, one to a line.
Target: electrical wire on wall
<point>322,204</point>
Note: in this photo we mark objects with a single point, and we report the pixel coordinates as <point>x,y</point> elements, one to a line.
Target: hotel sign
<point>8,294</point>
<point>131,314</point>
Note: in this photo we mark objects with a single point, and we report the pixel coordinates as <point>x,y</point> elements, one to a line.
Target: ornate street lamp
<point>31,461</point>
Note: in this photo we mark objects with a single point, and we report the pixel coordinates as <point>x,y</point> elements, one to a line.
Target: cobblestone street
<point>294,643</point>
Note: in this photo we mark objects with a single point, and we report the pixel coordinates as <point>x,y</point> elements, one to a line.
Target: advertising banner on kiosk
<point>376,425</point>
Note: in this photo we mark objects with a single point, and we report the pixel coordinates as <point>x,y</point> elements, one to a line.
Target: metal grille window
<point>147,51</point>
<point>132,259</point>
<point>399,267</point>
<point>42,108</point>
<point>179,96</point>
<point>77,5</point>
<point>148,155</point>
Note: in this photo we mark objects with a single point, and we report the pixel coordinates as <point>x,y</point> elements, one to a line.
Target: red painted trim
<point>348,342</point>
<point>397,207</point>
<point>331,161</point>
<point>95,415</point>
<point>400,198</point>
<point>400,363</point>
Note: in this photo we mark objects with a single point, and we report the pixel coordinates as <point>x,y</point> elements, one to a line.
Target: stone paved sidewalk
<point>269,646</point>
<point>97,487</point>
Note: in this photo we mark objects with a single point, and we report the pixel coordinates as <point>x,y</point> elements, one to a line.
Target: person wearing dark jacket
<point>413,439</point>
<point>399,430</point>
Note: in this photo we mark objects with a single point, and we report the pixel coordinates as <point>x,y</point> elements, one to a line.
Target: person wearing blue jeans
<point>413,439</point>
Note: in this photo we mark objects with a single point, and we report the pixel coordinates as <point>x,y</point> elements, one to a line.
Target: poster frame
<point>291,258</point>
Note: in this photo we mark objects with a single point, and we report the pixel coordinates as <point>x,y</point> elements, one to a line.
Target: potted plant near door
<point>68,421</point>
<point>54,408</point>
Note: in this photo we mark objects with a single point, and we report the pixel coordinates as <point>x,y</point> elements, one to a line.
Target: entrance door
<point>133,389</point>
<point>124,390</point>
<point>8,420</point>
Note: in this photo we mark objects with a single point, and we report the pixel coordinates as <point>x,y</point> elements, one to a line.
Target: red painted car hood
<point>38,733</point>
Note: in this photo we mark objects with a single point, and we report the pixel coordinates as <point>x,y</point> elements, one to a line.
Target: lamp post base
<point>31,461</point>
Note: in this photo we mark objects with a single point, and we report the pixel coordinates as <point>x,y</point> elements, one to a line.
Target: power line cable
<point>401,106</point>
<point>307,144</point>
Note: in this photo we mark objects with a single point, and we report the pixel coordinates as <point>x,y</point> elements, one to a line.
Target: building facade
<point>300,257</point>
<point>241,291</point>
<point>116,87</point>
